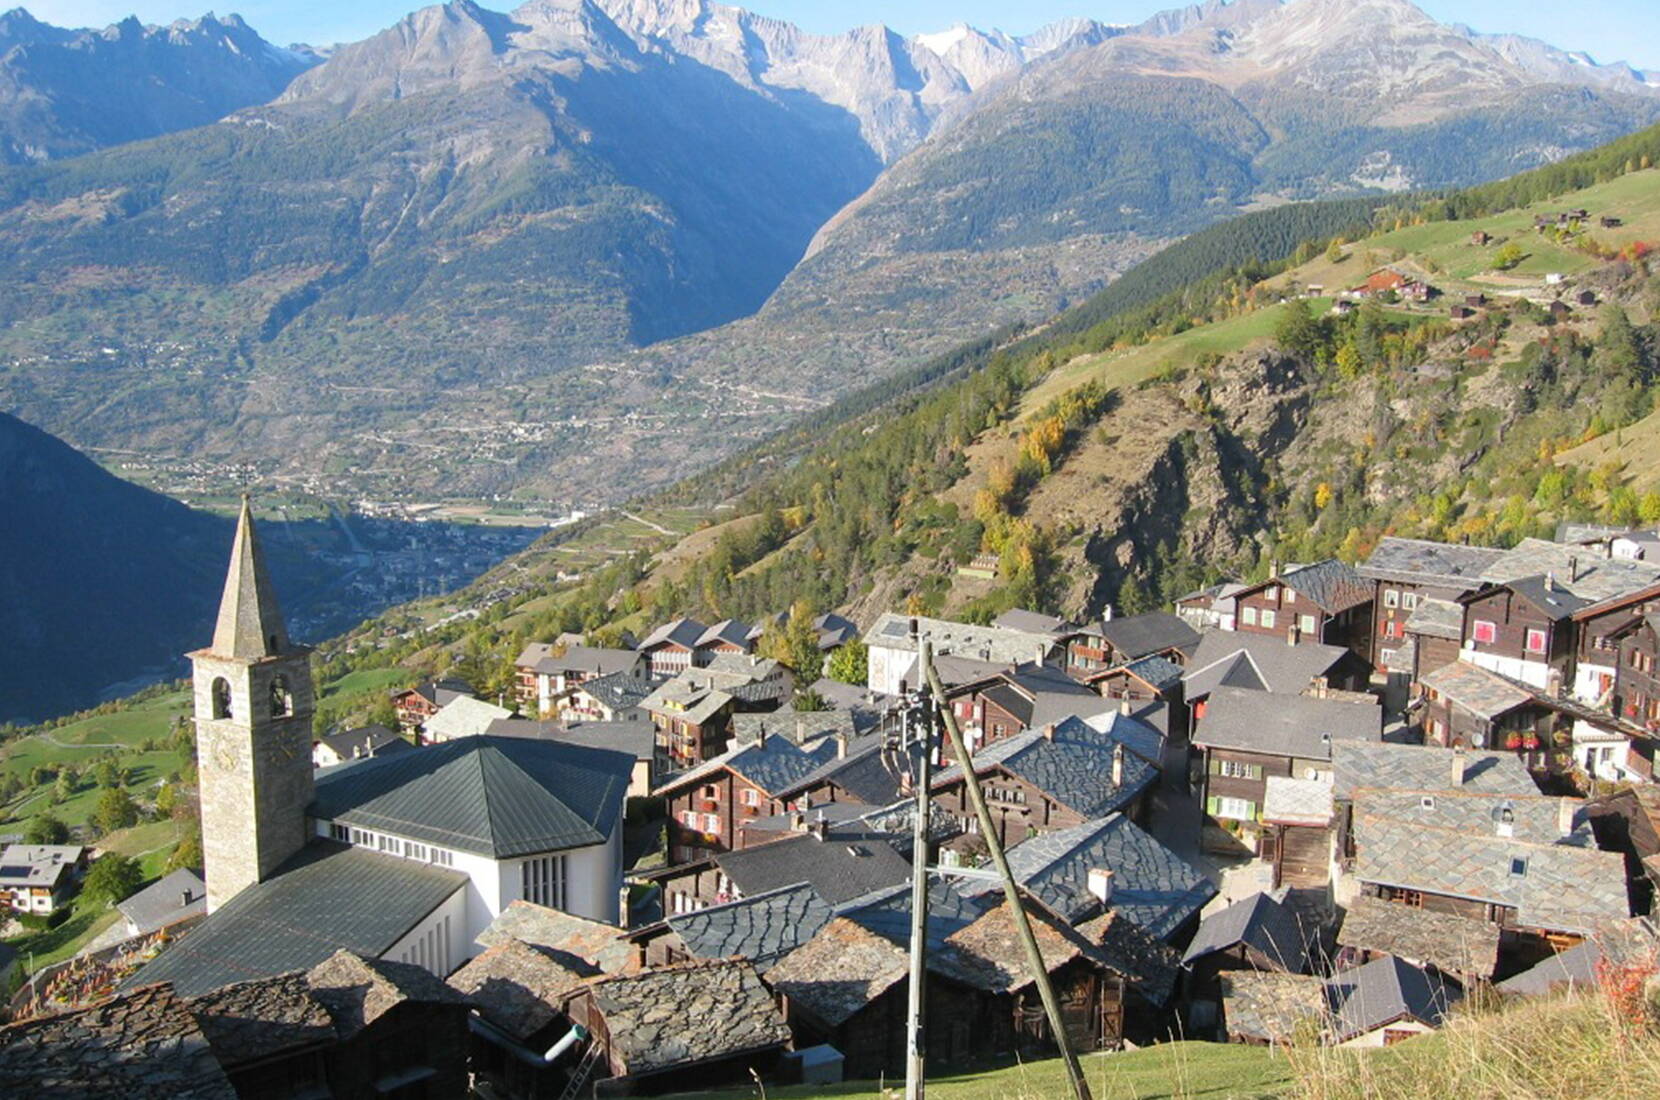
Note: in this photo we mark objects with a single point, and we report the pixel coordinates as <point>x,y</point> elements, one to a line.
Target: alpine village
<point>629,548</point>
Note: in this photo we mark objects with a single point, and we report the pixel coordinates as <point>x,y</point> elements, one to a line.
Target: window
<point>1518,866</point>
<point>1413,898</point>
<point>1427,802</point>
<point>1391,598</point>
<point>340,832</point>
<point>1235,769</point>
<point>749,796</point>
<point>362,836</point>
<point>282,699</point>
<point>1409,601</point>
<point>1290,595</point>
<point>412,850</point>
<point>711,824</point>
<point>221,692</point>
<point>1306,624</point>
<point>443,857</point>
<point>1536,641</point>
<point>543,878</point>
<point>1249,616</point>
<point>1266,619</point>
<point>1239,809</point>
<point>1393,628</point>
<point>1484,631</point>
<point>711,792</point>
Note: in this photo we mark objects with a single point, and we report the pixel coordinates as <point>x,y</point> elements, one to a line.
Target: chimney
<point>357,752</point>
<point>1565,809</point>
<point>761,735</point>
<point>184,898</point>
<point>1126,705</point>
<point>1273,567</point>
<point>1100,884</point>
<point>1049,732</point>
<point>841,746</point>
<point>1106,614</point>
<point>1118,765</point>
<point>820,828</point>
<point>1458,766</point>
<point>798,821</point>
<point>1291,635</point>
<point>1573,568</point>
<point>1550,581</point>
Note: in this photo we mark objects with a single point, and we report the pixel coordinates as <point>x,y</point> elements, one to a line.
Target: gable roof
<point>1618,943</point>
<point>373,738</point>
<point>772,764</point>
<point>728,632</point>
<point>1437,619</point>
<point>250,1021</point>
<point>359,990</point>
<point>1384,990</point>
<point>1284,725</point>
<point>1158,673</point>
<point>1537,819</point>
<point>619,691</point>
<point>839,970</point>
<point>1133,636</point>
<point>1030,622</point>
<point>1420,561</point>
<point>1331,585</point>
<point>680,632</point>
<point>1446,941</point>
<point>1271,1007</point>
<point>142,1045</point>
<point>327,898</point>
<point>1357,764</point>
<point>463,716</point>
<point>1261,662</point>
<point>1582,574</point>
<point>590,660</point>
<point>577,943</point>
<point>1073,765</point>
<point>1151,885</point>
<point>840,866</point>
<point>489,795</point>
<point>803,727</point>
<point>1561,887</point>
<point>516,986</point>
<point>694,1012</point>
<point>990,644</point>
<point>1261,922</point>
<point>762,928</point>
<point>1287,800</point>
<point>163,902</point>
<point>637,737</point>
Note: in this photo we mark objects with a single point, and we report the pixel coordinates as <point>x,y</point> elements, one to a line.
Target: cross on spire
<point>250,624</point>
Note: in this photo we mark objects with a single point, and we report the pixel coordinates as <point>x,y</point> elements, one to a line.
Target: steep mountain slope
<point>1218,417</point>
<point>100,579</point>
<point>429,267</point>
<point>65,92</point>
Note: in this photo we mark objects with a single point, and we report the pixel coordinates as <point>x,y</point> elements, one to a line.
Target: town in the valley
<point>1326,807</point>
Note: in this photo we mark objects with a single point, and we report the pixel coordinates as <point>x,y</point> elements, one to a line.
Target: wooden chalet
<point>1115,641</point>
<point>1326,602</point>
<point>1298,816</point>
<point>415,705</point>
<point>1408,573</point>
<point>673,647</point>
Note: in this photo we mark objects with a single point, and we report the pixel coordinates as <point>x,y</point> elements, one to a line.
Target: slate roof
<point>1030,622</point>
<point>1260,922</point>
<point>1152,632</point>
<point>516,986</point>
<point>864,774</point>
<point>585,946</point>
<point>1446,941</point>
<point>1384,990</point>
<point>1284,725</point>
<point>37,864</point>
<point>1564,887</point>
<point>762,928</point>
<point>1420,561</point>
<point>1151,885</point>
<point>163,902</point>
<point>357,991</point>
<point>1331,585</point>
<point>249,625</point>
<point>1261,662</point>
<point>1437,619</point>
<point>841,866</point>
<point>800,726</point>
<point>589,660</point>
<point>1537,819</point>
<point>440,692</point>
<point>1271,1007</point>
<point>839,970</point>
<point>835,630</point>
<point>1152,965</point>
<point>728,631</point>
<point>987,954</point>
<point>143,1045</point>
<point>1161,673</point>
<point>463,716</point>
<point>996,645</point>
<point>619,691</point>
<point>680,632</point>
<point>773,765</point>
<point>1291,801</point>
<point>695,1012</point>
<point>1380,764</point>
<point>1544,593</point>
<point>1074,766</point>
<point>251,1021</point>
<point>327,898</point>
<point>366,740</point>
<point>1598,578</point>
<point>489,795</point>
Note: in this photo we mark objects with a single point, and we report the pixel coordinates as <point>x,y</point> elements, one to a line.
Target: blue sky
<point>1609,30</point>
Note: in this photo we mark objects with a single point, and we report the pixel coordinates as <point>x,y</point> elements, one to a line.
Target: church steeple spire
<point>250,623</point>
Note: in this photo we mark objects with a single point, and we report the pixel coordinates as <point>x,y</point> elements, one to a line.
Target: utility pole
<point>920,742</point>
<point>1011,889</point>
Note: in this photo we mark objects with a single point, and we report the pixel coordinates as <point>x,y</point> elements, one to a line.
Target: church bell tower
<point>253,703</point>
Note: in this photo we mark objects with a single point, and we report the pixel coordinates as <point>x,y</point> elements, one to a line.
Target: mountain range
<point>576,249</point>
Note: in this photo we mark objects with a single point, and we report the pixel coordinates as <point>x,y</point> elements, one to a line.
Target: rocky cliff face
<point>65,92</point>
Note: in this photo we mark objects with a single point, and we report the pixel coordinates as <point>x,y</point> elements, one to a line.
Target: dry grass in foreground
<point>1581,1047</point>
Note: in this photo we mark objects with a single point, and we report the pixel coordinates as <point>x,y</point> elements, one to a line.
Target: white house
<point>893,653</point>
